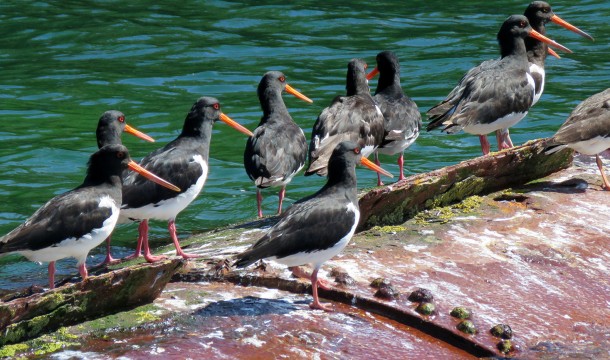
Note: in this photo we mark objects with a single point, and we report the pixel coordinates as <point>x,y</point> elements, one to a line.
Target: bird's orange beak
<point>135,132</point>
<point>235,125</point>
<point>553,53</point>
<point>559,21</point>
<point>152,177</point>
<point>538,36</point>
<point>372,166</point>
<point>373,73</point>
<point>292,91</point>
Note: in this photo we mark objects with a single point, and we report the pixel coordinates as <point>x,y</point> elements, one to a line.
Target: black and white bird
<point>354,117</point>
<point>184,162</point>
<point>278,148</point>
<point>402,118</point>
<point>318,227</point>
<point>539,13</point>
<point>496,94</point>
<point>73,223</point>
<point>587,130</point>
<point>109,129</point>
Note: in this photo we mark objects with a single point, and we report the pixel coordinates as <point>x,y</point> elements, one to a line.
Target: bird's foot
<point>109,260</point>
<point>133,256</point>
<point>187,256</point>
<point>319,306</point>
<point>154,258</point>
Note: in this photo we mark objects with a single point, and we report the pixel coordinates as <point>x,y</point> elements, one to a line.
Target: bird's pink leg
<point>259,200</point>
<point>600,165</point>
<point>401,164</point>
<point>316,304</point>
<point>507,139</point>
<point>172,232</point>
<point>109,259</point>
<point>484,144</point>
<point>51,270</point>
<point>82,269</point>
<point>143,228</point>
<point>281,195</point>
<point>379,182</point>
<point>298,271</point>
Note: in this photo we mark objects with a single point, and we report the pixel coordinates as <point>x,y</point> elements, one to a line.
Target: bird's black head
<point>204,113</point>
<point>387,62</point>
<point>356,82</point>
<point>109,128</point>
<point>272,81</point>
<point>204,110</point>
<point>513,27</point>
<point>108,161</point>
<point>538,13</point>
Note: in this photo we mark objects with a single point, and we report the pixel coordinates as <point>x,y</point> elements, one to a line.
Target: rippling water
<point>64,63</point>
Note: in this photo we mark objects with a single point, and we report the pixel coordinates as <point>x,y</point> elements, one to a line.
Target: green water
<point>63,63</point>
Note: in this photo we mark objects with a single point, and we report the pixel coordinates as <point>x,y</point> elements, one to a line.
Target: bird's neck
<point>272,102</point>
<point>342,176</point>
<point>106,136</point>
<point>536,49</point>
<point>513,47</point>
<point>389,83</point>
<point>356,85</point>
<point>197,137</point>
<point>97,179</point>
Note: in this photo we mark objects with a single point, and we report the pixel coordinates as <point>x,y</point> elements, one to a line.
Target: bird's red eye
<point>522,24</point>
<point>357,150</point>
<point>282,79</point>
<point>366,66</point>
<point>121,118</point>
<point>120,155</point>
<point>216,106</point>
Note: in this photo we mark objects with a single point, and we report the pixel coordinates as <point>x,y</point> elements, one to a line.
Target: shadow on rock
<point>247,306</point>
<point>571,186</point>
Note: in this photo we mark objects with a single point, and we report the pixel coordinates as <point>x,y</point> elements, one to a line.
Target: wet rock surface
<point>525,256</point>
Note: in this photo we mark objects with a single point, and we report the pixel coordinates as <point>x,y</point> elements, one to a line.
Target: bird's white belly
<point>502,123</point>
<point>170,208</point>
<point>591,146</point>
<point>535,69</point>
<point>317,258</point>
<point>78,248</point>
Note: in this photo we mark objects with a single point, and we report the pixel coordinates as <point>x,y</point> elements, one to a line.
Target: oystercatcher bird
<point>73,223</point>
<point>402,118</point>
<point>354,117</point>
<point>184,162</point>
<point>317,227</point>
<point>278,148</point>
<point>587,130</point>
<point>539,13</point>
<point>109,129</point>
<point>495,95</point>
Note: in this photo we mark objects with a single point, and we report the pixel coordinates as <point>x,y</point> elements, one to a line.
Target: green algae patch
<point>123,320</point>
<point>9,351</point>
<point>43,345</point>
<point>444,214</point>
<point>389,229</point>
